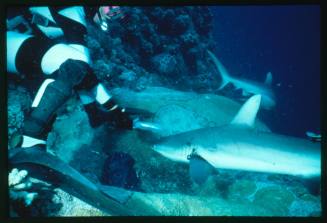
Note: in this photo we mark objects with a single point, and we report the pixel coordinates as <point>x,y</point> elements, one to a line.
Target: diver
<point>46,45</point>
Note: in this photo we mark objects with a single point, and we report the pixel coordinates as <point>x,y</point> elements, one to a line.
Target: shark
<point>249,87</point>
<point>239,146</point>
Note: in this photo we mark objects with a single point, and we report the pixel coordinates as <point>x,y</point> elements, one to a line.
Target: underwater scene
<point>164,111</point>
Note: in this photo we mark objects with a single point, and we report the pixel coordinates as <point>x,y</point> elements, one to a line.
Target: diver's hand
<point>120,119</point>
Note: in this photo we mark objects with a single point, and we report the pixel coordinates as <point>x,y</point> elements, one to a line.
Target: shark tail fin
<point>269,78</point>
<point>225,77</point>
<point>248,112</point>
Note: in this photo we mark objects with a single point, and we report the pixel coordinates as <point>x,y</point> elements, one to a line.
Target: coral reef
<point>30,196</point>
<point>33,197</point>
<point>165,41</point>
<point>74,207</point>
<point>306,207</point>
<point>19,102</point>
<point>241,189</point>
<point>279,199</point>
<point>18,184</point>
<point>165,63</point>
<point>70,131</point>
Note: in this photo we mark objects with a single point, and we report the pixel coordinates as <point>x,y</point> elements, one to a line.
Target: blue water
<point>252,40</point>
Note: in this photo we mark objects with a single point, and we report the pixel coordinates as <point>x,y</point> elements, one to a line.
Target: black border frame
<point>4,208</point>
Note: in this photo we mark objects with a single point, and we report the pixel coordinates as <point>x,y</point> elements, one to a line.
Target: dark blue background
<point>252,40</point>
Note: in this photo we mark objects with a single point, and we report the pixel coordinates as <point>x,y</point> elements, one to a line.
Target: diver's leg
<point>72,21</point>
<point>14,42</point>
<point>36,55</point>
<point>52,94</point>
<point>15,65</point>
<point>98,103</point>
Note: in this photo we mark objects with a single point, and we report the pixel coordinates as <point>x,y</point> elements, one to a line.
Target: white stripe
<point>104,26</point>
<point>113,108</point>
<point>14,42</point>
<point>57,55</point>
<point>43,11</point>
<point>29,141</point>
<point>41,91</point>
<point>51,32</point>
<point>75,13</point>
<point>85,97</point>
<point>101,94</point>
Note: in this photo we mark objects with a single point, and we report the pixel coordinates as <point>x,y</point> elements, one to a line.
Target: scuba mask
<point>107,14</point>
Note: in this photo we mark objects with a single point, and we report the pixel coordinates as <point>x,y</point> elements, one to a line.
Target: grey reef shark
<point>249,87</point>
<point>240,146</point>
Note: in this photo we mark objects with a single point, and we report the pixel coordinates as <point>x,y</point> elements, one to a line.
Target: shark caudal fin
<point>225,77</point>
<point>269,77</point>
<point>248,112</point>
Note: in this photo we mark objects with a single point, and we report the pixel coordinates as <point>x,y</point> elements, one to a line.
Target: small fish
<point>313,136</point>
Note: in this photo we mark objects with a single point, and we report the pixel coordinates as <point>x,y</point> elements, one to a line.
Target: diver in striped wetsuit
<point>54,51</point>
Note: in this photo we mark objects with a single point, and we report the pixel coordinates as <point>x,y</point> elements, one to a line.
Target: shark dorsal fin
<point>247,113</point>
<point>268,80</point>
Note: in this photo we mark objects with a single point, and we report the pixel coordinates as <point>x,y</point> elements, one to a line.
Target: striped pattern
<point>29,51</point>
<point>44,55</point>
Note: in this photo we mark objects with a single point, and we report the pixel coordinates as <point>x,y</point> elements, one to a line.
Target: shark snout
<point>175,153</point>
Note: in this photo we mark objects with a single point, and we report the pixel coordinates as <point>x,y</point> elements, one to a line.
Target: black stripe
<point>90,11</point>
<point>74,31</point>
<point>89,82</point>
<point>30,54</point>
<point>52,24</point>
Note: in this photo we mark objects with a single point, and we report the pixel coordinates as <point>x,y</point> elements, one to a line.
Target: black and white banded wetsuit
<point>59,55</point>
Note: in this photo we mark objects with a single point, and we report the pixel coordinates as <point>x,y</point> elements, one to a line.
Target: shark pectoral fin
<point>248,112</point>
<point>200,169</point>
<point>119,194</point>
<point>269,77</point>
